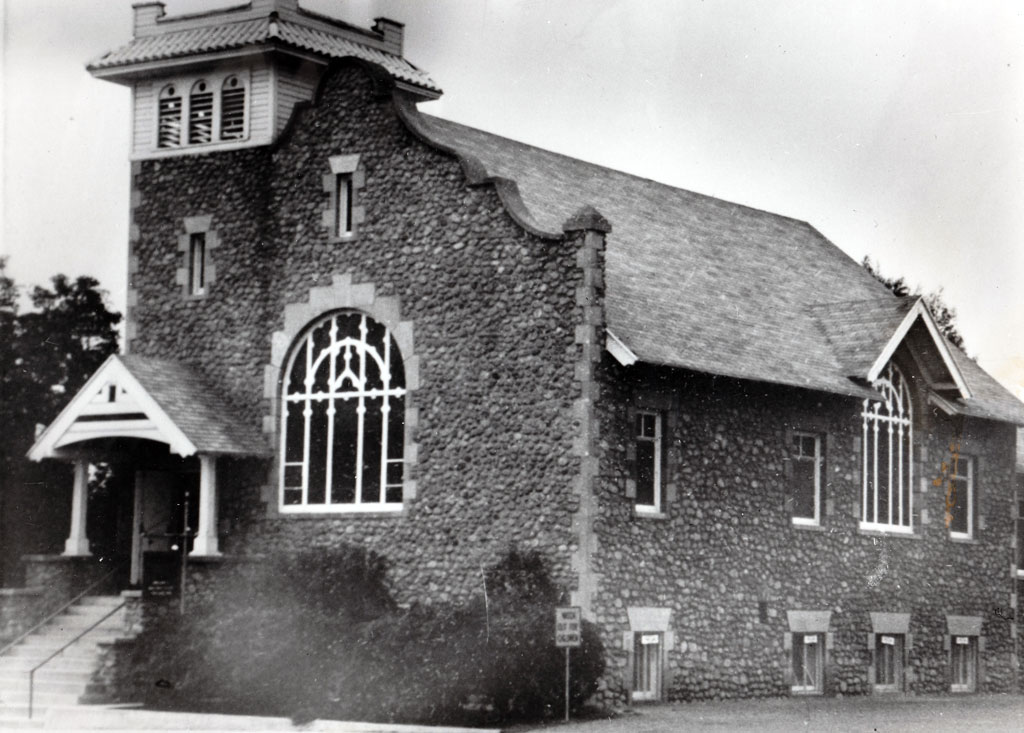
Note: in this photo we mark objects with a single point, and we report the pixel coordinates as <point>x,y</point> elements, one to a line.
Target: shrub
<point>318,636</point>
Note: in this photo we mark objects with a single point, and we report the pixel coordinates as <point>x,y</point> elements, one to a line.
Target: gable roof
<point>699,283</point>
<point>133,396</point>
<point>228,30</point>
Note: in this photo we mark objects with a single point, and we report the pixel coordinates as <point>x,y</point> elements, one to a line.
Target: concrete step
<point>20,685</point>
<point>100,601</point>
<point>61,664</point>
<point>42,650</point>
<point>41,699</point>
<point>13,722</point>
<point>13,677</point>
<point>58,637</point>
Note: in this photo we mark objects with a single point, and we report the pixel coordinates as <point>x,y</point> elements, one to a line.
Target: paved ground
<point>867,714</point>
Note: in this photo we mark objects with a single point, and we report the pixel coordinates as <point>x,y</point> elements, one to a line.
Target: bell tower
<point>230,78</point>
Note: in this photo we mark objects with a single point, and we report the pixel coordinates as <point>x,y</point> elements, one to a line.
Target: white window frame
<point>799,638</point>
<point>197,264</point>
<point>184,87</point>
<point>817,459</point>
<point>387,362</point>
<point>890,418</point>
<point>956,465</point>
<point>344,205</point>
<point>899,660</point>
<point>972,649</point>
<point>656,507</point>
<point>647,666</point>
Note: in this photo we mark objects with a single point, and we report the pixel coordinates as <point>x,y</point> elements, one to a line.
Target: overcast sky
<point>894,127</point>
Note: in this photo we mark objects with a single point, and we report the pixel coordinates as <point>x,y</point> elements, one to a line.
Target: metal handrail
<point>60,610</point>
<point>32,672</point>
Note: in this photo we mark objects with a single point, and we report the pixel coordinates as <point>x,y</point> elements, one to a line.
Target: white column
<point>137,520</point>
<point>206,534</point>
<point>77,544</point>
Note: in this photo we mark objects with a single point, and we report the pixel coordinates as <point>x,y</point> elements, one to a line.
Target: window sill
<point>364,510</point>
<point>883,530</point>
<point>963,539</point>
<point>807,525</point>
<point>802,692</point>
<point>649,512</point>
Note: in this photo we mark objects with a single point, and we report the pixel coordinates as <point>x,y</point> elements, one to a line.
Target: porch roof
<point>133,396</point>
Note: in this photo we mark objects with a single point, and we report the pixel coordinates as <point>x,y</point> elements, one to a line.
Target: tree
<point>945,315</point>
<point>46,355</point>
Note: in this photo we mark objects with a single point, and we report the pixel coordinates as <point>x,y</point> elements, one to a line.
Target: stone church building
<point>757,470</point>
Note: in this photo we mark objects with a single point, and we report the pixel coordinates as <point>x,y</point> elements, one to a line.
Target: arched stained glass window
<point>343,418</point>
<point>169,118</point>
<point>888,439</point>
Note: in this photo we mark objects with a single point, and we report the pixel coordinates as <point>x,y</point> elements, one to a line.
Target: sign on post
<point>568,634</point>
<point>568,626</point>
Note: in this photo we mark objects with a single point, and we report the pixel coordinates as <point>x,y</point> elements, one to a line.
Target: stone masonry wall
<point>725,550</point>
<point>493,312</point>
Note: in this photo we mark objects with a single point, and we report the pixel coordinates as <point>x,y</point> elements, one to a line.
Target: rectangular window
<point>964,660</point>
<point>197,264</point>
<point>806,481</point>
<point>648,462</point>
<point>646,666</point>
<point>808,663</point>
<point>1020,526</point>
<point>343,205</point>
<point>960,497</point>
<point>889,662</point>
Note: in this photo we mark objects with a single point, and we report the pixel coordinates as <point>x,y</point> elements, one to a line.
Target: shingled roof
<point>704,284</point>
<point>286,27</point>
<point>195,407</point>
<point>142,397</point>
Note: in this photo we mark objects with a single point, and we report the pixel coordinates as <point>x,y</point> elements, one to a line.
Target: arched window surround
<point>887,467</point>
<point>341,295</point>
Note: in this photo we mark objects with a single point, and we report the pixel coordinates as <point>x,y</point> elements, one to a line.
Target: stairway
<point>65,677</point>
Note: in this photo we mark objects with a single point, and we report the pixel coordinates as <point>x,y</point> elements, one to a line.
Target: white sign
<point>646,639</point>
<point>963,640</point>
<point>568,626</point>
<point>811,639</point>
<point>889,640</point>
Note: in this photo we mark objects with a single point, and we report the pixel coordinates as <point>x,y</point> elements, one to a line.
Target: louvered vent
<point>200,114</point>
<point>232,109</point>
<point>169,124</point>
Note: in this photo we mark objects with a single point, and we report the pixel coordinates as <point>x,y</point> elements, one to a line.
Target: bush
<point>318,636</point>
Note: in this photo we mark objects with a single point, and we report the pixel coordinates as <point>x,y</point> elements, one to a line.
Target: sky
<point>894,128</point>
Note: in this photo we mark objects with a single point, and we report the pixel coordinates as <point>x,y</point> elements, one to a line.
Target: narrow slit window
<point>200,114</point>
<point>648,462</point>
<point>960,498</point>
<point>232,109</point>
<point>197,264</point>
<point>343,205</point>
<point>169,118</point>
<point>806,481</point>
